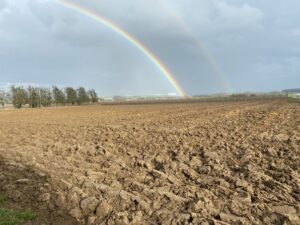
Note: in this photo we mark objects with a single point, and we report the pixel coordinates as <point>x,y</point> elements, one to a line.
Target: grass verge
<point>3,199</point>
<point>13,217</point>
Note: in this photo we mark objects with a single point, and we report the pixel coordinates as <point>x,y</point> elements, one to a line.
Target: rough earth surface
<point>207,163</point>
<point>24,187</point>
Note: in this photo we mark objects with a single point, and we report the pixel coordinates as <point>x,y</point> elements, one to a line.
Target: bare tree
<point>71,95</point>
<point>93,96</point>
<point>34,99</point>
<point>19,96</point>
<point>46,97</point>
<point>58,96</point>
<point>2,98</point>
<point>82,96</point>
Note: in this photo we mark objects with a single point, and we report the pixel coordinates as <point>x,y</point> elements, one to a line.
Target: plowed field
<point>202,163</point>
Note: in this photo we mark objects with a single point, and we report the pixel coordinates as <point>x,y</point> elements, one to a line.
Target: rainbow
<point>198,43</point>
<point>130,38</point>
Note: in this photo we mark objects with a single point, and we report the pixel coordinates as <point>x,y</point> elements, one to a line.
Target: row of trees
<point>44,97</point>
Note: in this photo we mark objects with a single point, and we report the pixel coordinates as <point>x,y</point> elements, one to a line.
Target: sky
<point>210,46</point>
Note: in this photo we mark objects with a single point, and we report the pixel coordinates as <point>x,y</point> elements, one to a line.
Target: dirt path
<point>209,163</point>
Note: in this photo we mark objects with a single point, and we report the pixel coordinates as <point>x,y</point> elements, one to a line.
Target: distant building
<point>106,99</point>
<point>292,93</point>
<point>119,98</point>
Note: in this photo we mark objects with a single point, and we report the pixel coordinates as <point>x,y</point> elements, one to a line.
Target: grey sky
<point>255,44</point>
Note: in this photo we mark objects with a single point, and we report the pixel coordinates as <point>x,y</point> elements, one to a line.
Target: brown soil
<point>24,186</point>
<point>207,163</point>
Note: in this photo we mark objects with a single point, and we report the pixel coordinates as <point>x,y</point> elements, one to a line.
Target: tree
<point>46,97</point>
<point>82,96</point>
<point>93,96</point>
<point>71,95</point>
<point>7,98</point>
<point>2,98</point>
<point>58,96</point>
<point>19,96</point>
<point>34,99</point>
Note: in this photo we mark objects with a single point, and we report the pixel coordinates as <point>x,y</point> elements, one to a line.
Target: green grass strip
<point>3,199</point>
<point>15,217</point>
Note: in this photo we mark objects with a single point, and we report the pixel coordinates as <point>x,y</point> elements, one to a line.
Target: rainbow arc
<point>130,38</point>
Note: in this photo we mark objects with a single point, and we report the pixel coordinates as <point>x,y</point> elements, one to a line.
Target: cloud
<point>296,32</point>
<point>43,42</point>
<point>4,9</point>
<point>238,18</point>
<point>3,4</point>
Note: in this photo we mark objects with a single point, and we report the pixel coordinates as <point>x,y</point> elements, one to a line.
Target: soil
<point>24,186</point>
<point>202,163</point>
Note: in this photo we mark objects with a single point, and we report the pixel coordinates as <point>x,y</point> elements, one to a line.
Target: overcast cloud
<point>254,43</point>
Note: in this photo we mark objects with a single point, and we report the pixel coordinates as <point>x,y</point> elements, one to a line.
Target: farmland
<point>200,163</point>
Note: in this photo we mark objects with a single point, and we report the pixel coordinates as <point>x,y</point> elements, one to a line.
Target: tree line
<point>35,97</point>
